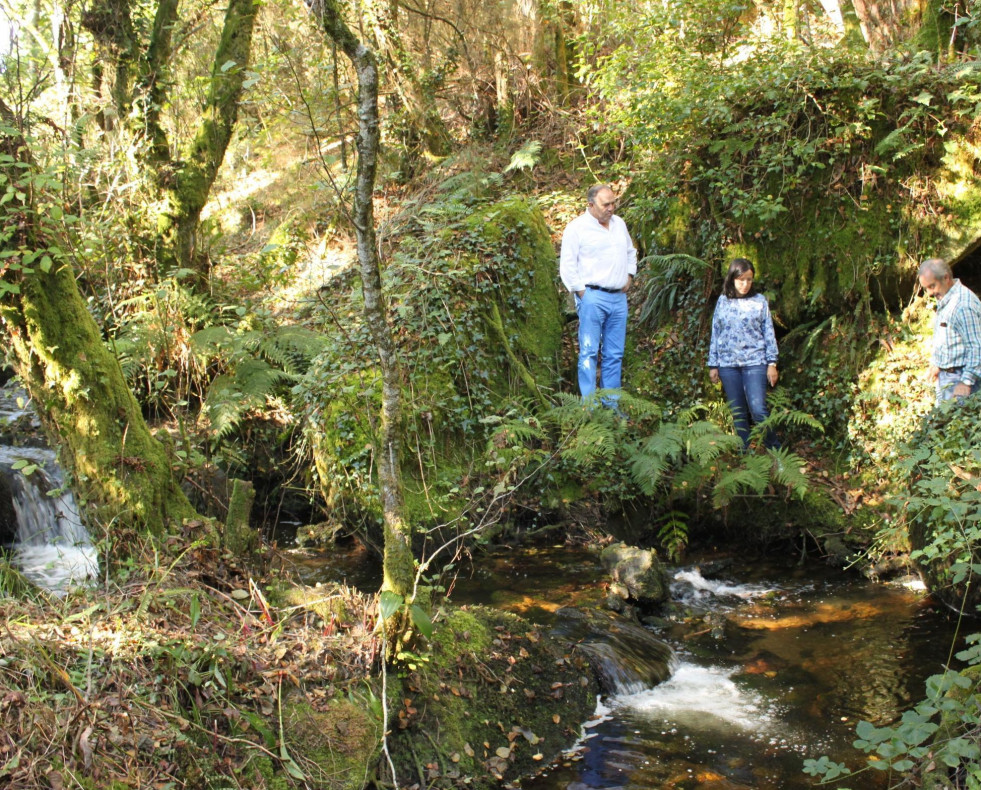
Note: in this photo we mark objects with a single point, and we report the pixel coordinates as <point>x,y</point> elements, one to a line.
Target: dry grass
<point>172,678</point>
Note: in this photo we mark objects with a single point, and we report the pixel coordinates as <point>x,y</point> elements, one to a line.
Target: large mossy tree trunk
<point>121,471</point>
<point>399,562</point>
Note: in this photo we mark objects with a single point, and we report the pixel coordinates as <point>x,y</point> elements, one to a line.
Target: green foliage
<point>459,257</point>
<point>30,199</point>
<point>815,162</point>
<point>526,157</point>
<point>941,506</point>
<point>258,361</point>
<point>938,736</point>
<point>665,279</point>
<point>682,465</point>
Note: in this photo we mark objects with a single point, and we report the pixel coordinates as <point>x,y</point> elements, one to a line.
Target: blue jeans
<point>602,336</point>
<point>745,390</point>
<point>946,381</point>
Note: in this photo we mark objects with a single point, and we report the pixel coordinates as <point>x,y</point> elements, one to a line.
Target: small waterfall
<point>39,520</point>
<point>703,697</point>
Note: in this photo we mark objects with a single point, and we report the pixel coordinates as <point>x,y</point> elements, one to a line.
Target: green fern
<point>256,363</point>
<point>782,415</point>
<point>673,534</point>
<point>593,442</point>
<point>526,157</point>
<point>659,453</point>
<point>788,470</point>
<point>751,477</point>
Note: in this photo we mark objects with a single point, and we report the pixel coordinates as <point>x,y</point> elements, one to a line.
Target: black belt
<point>605,290</point>
<point>958,369</point>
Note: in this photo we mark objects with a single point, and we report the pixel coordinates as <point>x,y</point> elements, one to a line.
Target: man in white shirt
<point>597,264</point>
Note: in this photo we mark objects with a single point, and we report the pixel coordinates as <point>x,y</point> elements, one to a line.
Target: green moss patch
<point>496,699</point>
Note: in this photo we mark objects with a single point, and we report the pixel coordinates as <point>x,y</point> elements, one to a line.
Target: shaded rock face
<point>637,575</point>
<point>626,657</point>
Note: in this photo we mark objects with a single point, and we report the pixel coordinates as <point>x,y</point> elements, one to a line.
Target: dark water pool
<point>776,663</point>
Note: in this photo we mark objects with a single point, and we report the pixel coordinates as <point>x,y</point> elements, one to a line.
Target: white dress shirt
<point>594,255</point>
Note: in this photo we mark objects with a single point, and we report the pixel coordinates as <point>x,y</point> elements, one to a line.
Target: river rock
<point>625,657</point>
<point>637,575</point>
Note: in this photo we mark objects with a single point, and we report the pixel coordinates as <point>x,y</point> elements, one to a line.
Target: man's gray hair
<point>594,190</point>
<point>938,267</point>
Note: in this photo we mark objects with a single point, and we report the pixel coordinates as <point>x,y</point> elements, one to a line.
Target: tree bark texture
<point>417,102</point>
<point>151,90</point>
<point>399,563</point>
<point>187,183</point>
<point>121,471</point>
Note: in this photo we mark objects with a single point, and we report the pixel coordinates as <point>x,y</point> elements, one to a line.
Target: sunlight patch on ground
<point>227,206</point>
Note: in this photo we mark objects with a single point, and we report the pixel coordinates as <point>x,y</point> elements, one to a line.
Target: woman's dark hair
<point>737,268</point>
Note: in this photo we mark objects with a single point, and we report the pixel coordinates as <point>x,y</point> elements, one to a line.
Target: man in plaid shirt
<point>955,364</point>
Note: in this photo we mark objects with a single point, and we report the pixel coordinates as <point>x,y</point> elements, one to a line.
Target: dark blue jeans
<point>745,390</point>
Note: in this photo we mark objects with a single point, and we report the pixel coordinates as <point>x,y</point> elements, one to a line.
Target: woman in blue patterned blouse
<point>743,350</point>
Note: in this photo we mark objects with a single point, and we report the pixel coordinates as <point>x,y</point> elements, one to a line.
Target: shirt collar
<point>948,297</point>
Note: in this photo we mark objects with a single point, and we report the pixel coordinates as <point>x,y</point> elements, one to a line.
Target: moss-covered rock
<point>335,744</point>
<point>495,699</point>
<point>477,319</point>
<point>637,574</point>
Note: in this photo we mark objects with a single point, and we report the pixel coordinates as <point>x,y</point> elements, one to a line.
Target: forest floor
<point>167,678</point>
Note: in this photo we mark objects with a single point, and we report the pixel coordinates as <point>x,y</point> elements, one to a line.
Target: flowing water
<point>42,529</point>
<point>774,664</point>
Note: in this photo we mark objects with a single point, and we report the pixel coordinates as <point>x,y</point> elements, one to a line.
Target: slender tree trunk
<point>151,91</point>
<point>187,186</point>
<point>887,22</point>
<point>417,102</point>
<point>119,468</point>
<point>399,563</point>
<point>111,25</point>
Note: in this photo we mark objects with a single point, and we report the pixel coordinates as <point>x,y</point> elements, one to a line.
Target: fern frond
<point>516,432</point>
<point>292,348</point>
<point>788,470</point>
<point>526,157</point>
<point>638,407</point>
<point>750,477</point>
<point>784,417</point>
<point>692,477</point>
<point>691,415</point>
<point>667,278</point>
<point>225,406</point>
<point>648,471</point>
<point>593,442</point>
<point>673,534</point>
<point>706,447</point>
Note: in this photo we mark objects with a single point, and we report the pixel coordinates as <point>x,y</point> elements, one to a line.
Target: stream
<point>775,664</point>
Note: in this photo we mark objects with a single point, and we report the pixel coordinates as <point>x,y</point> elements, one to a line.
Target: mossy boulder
<point>476,315</point>
<point>334,743</point>
<point>493,700</point>
<point>637,574</point>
